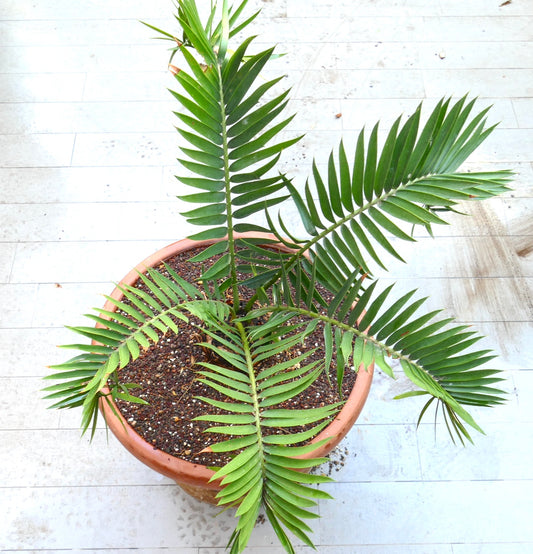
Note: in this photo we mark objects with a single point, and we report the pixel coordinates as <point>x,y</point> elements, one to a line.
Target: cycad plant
<point>353,214</point>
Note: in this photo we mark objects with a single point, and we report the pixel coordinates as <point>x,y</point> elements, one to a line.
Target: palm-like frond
<point>352,213</point>
<point>230,133</point>
<point>265,471</point>
<point>230,127</point>
<point>363,327</point>
<point>137,322</point>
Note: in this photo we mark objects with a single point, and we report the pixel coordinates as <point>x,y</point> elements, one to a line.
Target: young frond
<point>255,383</point>
<point>231,131</point>
<point>440,362</point>
<point>122,331</point>
<point>351,212</point>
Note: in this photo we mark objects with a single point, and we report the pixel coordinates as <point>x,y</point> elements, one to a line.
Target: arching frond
<point>137,322</point>
<point>353,212</point>
<point>363,326</point>
<point>264,472</point>
<point>231,129</point>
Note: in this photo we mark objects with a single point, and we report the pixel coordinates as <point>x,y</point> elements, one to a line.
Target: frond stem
<point>99,380</point>
<point>227,189</point>
<point>253,386</point>
<point>334,226</point>
<point>345,327</point>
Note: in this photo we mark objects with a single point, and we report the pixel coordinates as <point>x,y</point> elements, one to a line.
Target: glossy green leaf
<point>384,168</point>
<point>370,164</point>
<point>244,78</point>
<point>201,128</point>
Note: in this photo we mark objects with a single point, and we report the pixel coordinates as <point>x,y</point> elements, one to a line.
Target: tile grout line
<point>13,259</point>
<point>81,100</point>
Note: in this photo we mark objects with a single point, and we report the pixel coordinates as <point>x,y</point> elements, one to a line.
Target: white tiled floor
<point>87,153</point>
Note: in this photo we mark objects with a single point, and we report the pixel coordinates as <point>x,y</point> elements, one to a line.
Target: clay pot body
<point>194,478</point>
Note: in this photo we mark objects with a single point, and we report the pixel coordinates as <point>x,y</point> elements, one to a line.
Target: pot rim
<point>197,474</point>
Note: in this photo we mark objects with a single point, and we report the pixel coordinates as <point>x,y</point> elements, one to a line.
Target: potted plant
<point>263,295</point>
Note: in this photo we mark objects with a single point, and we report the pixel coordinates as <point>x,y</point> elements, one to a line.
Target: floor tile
<point>42,87</point>
<point>39,347</point>
<point>387,549</point>
<point>490,83</point>
<point>164,550</point>
<point>31,410</point>
<point>125,149</point>
<point>18,302</point>
<point>54,32</point>
<point>478,55</point>
<point>250,550</point>
<point>461,256</point>
<point>48,185</point>
<point>517,145</point>
<point>475,7</point>
<point>53,465</point>
<point>524,112</point>
<point>364,8</point>
<point>495,548</point>
<point>36,150</point>
<point>524,382</point>
<point>480,27</point>
<point>114,9</point>
<point>372,453</point>
<point>371,83</point>
<point>382,407</point>
<point>43,517</point>
<point>508,447</point>
<point>94,57</point>
<point>510,340</point>
<point>63,305</point>
<point>373,55</point>
<point>473,300</point>
<point>341,549</point>
<point>24,118</point>
<point>309,148</point>
<point>359,27</point>
<point>357,114</point>
<point>148,85</point>
<point>81,222</point>
<point>380,512</point>
<point>312,114</point>
<point>298,28</point>
<point>496,217</point>
<point>7,255</point>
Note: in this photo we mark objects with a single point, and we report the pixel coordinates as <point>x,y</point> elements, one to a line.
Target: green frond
<point>118,340</point>
<point>351,212</point>
<point>232,134</point>
<point>263,462</point>
<point>374,329</point>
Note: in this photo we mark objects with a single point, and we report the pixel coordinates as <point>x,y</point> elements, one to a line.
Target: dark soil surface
<point>168,380</point>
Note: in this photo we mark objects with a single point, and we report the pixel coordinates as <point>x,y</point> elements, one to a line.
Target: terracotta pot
<point>194,478</point>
